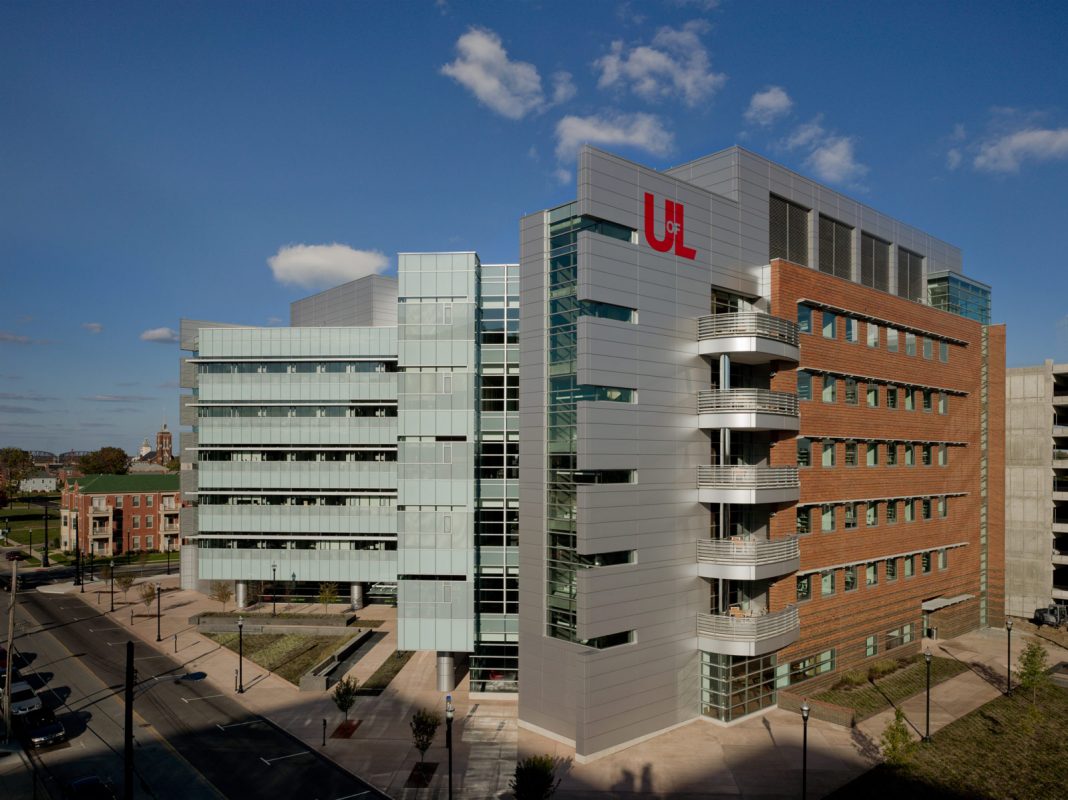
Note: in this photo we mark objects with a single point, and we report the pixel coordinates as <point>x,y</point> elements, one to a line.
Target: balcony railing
<point>749,629</point>
<point>1059,455</point>
<point>747,323</point>
<point>747,477</point>
<point>747,552</point>
<point>746,400</point>
<point>97,511</point>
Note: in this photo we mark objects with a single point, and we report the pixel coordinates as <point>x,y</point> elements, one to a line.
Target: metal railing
<point>1059,454</point>
<point>96,511</point>
<point>746,323</point>
<point>763,400</point>
<point>748,628</point>
<point>747,552</point>
<point>747,477</point>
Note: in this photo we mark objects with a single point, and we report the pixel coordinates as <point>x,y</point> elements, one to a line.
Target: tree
<point>222,592</point>
<point>174,464</point>
<point>327,595</point>
<point>898,745</point>
<point>148,594</point>
<point>1031,669</point>
<point>125,583</point>
<point>105,461</point>
<point>535,777</point>
<point>344,694</point>
<point>15,464</point>
<point>425,724</point>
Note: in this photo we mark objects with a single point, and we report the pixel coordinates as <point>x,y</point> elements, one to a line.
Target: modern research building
<point>721,435</point>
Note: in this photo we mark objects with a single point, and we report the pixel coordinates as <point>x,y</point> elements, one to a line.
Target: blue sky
<point>158,158</point>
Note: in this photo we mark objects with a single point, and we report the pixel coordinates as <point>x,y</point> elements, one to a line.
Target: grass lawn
<point>870,699</point>
<point>1005,749</point>
<point>288,655</point>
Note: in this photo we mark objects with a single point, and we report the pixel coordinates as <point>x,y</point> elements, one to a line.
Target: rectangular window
<point>137,501</point>
<point>943,559</point>
<point>787,230</point>
<point>830,327</point>
<point>874,262</point>
<point>928,397</point>
<point>852,331</point>
<point>871,575</point>
<point>118,501</point>
<point>836,248</point>
<point>850,516</point>
<point>943,403</point>
<point>942,507</point>
<point>873,335</point>
<point>891,340</point>
<point>909,275</point>
<point>804,452</point>
<point>827,584</point>
<point>891,569</point>
<point>928,348</point>
<point>828,454</point>
<point>910,454</point>
<point>830,389</point>
<point>827,519</point>
<point>906,633</point>
<point>804,318</point>
<point>137,522</point>
<point>148,521</point>
<point>136,542</point>
<point>891,397</point>
<point>926,455</point>
<point>150,500</point>
<point>873,395</point>
<point>910,344</point>
<point>804,587</point>
<point>871,646</point>
<point>910,566</point>
<point>891,512</point>
<point>849,579</point>
<point>925,562</point>
<point>910,510</point>
<point>925,508</point>
<point>850,454</point>
<point>148,542</point>
<point>804,520</point>
<point>872,514</point>
<point>943,455</point>
<point>943,352</point>
<point>851,391</point>
<point>891,454</point>
<point>804,385</point>
<point>909,397</point>
<point>873,454</point>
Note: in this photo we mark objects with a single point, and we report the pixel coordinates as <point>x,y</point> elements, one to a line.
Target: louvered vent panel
<point>778,228</point>
<point>882,265</point>
<point>867,259</point>
<point>843,251</point>
<point>798,235</point>
<point>826,245</point>
<point>909,274</point>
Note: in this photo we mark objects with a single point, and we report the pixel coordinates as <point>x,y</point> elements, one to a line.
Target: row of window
<point>500,392</point>
<point>210,542</point>
<point>925,454</point>
<point>812,666</point>
<point>851,513</point>
<point>829,324</point>
<point>208,499</point>
<point>895,396</point>
<point>852,575</point>
<point>243,456</point>
<point>168,501</point>
<point>243,412</point>
<point>294,367</point>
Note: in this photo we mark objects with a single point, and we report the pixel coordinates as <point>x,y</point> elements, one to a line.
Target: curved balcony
<point>743,635</point>
<point>747,410</point>
<point>747,559</point>
<point>746,485</point>
<point>748,337</point>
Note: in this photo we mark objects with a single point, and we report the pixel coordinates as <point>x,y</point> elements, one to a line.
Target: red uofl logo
<point>674,228</point>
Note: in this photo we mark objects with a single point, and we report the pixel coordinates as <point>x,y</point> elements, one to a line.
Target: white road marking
<point>205,697</point>
<point>236,724</point>
<point>269,761</point>
<point>350,796</point>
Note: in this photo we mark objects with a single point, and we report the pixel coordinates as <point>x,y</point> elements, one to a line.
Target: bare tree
<point>125,583</point>
<point>221,591</point>
<point>148,594</point>
<point>327,595</point>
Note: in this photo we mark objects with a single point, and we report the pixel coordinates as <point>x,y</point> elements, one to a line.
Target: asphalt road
<point>192,741</point>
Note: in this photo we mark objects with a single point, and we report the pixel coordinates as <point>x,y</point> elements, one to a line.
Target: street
<point>191,740</point>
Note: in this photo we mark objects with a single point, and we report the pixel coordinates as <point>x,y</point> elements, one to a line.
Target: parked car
<point>91,787</point>
<point>41,728</point>
<point>23,699</point>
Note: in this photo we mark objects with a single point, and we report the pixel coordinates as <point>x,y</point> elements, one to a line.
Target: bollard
<point>131,617</point>
<point>235,680</point>
<point>176,642</point>
<point>324,733</point>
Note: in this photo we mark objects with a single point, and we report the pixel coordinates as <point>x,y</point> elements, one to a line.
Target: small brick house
<point>113,514</point>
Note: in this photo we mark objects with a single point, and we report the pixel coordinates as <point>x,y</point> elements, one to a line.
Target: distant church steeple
<point>164,445</point>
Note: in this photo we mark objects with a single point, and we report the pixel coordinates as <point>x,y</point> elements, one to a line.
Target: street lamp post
<point>112,569</point>
<point>240,655</point>
<point>1008,657</point>
<point>91,565</point>
<point>805,709</point>
<point>44,560</point>
<point>274,590</point>
<point>159,600</point>
<point>450,711</point>
<point>77,565</point>
<point>168,559</point>
<point>927,728</point>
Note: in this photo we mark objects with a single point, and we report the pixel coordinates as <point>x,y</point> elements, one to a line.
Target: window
<point>827,584</point>
<point>891,397</point>
<point>925,508</point>
<point>804,318</point>
<point>943,352</point>
<point>891,569</point>
<point>891,512</point>
<point>118,501</point>
<point>909,275</point>
<point>925,562</point>
<point>830,327</point>
<point>874,262</point>
<point>871,575</point>
<point>871,518</point>
<point>804,520</point>
<point>849,580</point>
<point>852,331</point>
<point>873,454</point>
<point>827,518</point>
<point>836,248</point>
<point>926,455</point>
<point>828,454</point>
<point>851,391</point>
<point>137,501</point>
<point>850,516</point>
<point>804,452</point>
<point>787,230</point>
<point>873,335</point>
<point>910,344</point>
<point>927,398</point>
<point>148,543</point>
<point>850,454</point>
<point>910,566</point>
<point>907,391</point>
<point>891,454</point>
<point>910,510</point>
<point>943,403</point>
<point>910,455</point>
<point>150,500</point>
<point>891,340</point>
<point>804,385</point>
<point>873,395</point>
<point>148,521</point>
<point>928,348</point>
<point>136,543</point>
<point>943,455</point>
<point>137,522</point>
<point>942,507</point>
<point>805,668</point>
<point>943,558</point>
<point>830,389</point>
<point>871,646</point>
<point>804,587</point>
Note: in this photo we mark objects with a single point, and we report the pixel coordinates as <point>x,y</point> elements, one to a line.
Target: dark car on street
<point>90,787</point>
<point>41,728</point>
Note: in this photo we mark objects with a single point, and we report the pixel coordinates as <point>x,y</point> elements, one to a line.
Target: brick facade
<point>113,522</point>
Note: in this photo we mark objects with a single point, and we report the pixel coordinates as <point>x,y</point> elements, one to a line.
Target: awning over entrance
<point>943,602</point>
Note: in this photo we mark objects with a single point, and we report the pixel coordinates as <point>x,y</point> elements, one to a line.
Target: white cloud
<point>834,161</point>
<point>319,265</point>
<point>14,338</point>
<point>1005,153</point>
<point>703,5</point>
<point>511,88</point>
<point>675,64</point>
<point>115,398</point>
<point>160,335</point>
<point>805,135</point>
<point>767,106</point>
<point>562,176</point>
<point>642,131</point>
<point>93,327</point>
<point>953,158</point>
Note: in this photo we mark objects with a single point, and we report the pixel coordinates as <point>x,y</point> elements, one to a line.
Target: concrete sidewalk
<point>757,757</point>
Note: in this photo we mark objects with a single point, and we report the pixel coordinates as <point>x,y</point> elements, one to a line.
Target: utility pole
<point>44,561</point>
<point>128,755</point>
<point>10,678</point>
